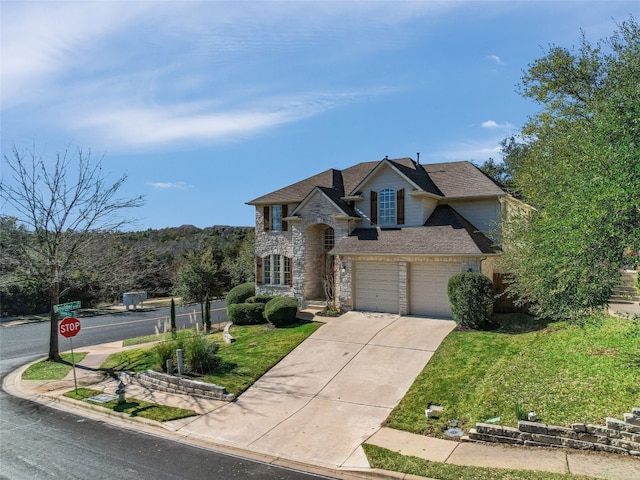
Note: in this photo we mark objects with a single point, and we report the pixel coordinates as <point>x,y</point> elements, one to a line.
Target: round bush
<point>260,299</point>
<point>281,311</point>
<point>471,297</point>
<point>246,313</point>
<point>240,293</point>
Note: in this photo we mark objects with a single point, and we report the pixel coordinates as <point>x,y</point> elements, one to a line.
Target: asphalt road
<point>39,442</point>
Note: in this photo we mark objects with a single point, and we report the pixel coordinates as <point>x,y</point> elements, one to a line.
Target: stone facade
<point>171,384</point>
<point>617,436</point>
<point>302,242</point>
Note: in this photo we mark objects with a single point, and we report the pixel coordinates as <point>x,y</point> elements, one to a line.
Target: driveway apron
<point>331,393</point>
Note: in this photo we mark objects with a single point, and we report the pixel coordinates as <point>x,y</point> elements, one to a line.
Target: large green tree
<point>577,163</point>
<point>61,202</point>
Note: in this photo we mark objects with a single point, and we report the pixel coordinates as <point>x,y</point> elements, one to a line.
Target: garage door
<point>376,287</point>
<point>428,288</point>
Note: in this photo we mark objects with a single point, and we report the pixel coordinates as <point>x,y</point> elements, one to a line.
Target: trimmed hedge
<point>260,299</point>
<point>240,293</point>
<point>246,313</point>
<point>471,297</point>
<point>281,311</point>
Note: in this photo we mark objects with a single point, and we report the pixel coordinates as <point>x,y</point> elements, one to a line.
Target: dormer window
<point>387,206</point>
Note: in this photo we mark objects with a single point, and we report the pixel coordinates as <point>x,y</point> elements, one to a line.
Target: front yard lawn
<point>134,407</point>
<point>257,348</point>
<point>563,372</point>
<point>49,370</point>
<point>392,461</point>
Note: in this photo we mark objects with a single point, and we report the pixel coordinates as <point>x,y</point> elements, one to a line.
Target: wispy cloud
<point>495,59</point>
<point>169,185</point>
<point>495,125</point>
<point>104,69</point>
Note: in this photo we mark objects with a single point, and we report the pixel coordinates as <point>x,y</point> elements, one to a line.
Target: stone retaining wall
<point>171,384</point>
<point>618,436</point>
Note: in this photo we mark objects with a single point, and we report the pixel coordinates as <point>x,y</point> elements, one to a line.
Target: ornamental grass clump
<point>471,297</point>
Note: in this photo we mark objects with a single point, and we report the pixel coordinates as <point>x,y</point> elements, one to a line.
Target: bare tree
<point>62,202</point>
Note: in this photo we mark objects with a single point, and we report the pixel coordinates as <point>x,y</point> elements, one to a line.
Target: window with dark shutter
<point>266,215</point>
<point>285,212</point>
<point>400,207</point>
<point>374,208</point>
<point>259,270</point>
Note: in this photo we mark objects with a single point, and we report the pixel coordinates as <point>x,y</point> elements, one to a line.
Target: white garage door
<point>428,288</point>
<point>376,287</point>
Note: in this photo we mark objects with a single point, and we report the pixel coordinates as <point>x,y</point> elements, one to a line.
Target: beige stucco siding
<point>483,214</point>
<point>388,178</point>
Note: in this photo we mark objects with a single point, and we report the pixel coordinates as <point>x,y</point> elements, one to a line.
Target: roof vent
<point>386,157</point>
<point>418,158</point>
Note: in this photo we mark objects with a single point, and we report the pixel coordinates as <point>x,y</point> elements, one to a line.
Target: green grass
<point>565,373</point>
<point>48,370</point>
<point>257,348</point>
<point>395,462</point>
<point>134,407</point>
<point>158,337</point>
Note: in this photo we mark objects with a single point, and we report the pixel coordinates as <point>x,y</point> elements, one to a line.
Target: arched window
<point>387,207</point>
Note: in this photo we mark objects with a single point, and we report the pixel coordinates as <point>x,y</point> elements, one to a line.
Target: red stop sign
<point>69,327</point>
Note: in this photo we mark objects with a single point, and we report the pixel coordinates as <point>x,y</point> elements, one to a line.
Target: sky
<point>206,105</point>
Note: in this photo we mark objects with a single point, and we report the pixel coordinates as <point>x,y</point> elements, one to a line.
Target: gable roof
<point>446,232</point>
<point>449,180</point>
<point>334,197</point>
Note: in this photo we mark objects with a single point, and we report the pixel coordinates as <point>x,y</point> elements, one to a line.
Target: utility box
<point>133,298</point>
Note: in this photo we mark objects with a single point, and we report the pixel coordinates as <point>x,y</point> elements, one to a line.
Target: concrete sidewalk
<point>315,408</point>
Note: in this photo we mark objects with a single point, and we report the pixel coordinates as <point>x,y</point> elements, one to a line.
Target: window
<point>287,271</point>
<point>276,270</point>
<point>276,218</point>
<point>266,270</point>
<point>329,239</point>
<point>273,218</point>
<point>387,207</point>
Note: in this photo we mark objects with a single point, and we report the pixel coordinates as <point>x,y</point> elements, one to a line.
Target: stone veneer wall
<point>617,436</point>
<point>171,384</point>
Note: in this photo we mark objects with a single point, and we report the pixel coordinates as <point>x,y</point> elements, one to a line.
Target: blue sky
<point>206,105</point>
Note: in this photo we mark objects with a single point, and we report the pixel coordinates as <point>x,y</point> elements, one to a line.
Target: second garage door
<point>376,287</point>
<point>428,288</point>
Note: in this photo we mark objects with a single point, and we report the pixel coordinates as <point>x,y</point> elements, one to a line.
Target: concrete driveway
<point>331,393</point>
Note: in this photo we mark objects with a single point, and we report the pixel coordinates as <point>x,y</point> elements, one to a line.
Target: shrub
<point>240,293</point>
<point>200,355</point>
<point>167,350</point>
<point>246,313</point>
<point>471,297</point>
<point>281,311</point>
<point>260,299</point>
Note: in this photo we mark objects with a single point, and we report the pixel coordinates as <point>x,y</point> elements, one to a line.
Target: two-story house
<point>381,236</point>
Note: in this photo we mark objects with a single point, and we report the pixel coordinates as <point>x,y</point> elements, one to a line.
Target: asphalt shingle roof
<point>450,179</point>
<point>446,232</point>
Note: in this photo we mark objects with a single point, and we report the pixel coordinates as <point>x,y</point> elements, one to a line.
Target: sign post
<point>69,328</point>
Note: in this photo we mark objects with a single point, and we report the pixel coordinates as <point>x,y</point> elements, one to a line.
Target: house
<point>381,236</point>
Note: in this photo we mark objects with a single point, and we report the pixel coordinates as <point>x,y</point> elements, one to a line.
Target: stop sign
<point>69,327</point>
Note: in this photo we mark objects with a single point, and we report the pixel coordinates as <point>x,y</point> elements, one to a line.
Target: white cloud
<point>494,124</point>
<point>169,185</point>
<point>495,59</point>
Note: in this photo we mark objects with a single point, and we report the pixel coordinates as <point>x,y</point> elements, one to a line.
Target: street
<point>39,442</point>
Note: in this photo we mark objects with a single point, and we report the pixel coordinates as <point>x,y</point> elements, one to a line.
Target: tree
<point>61,203</point>
<point>576,162</point>
<point>198,276</point>
<point>172,315</point>
<point>239,264</point>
